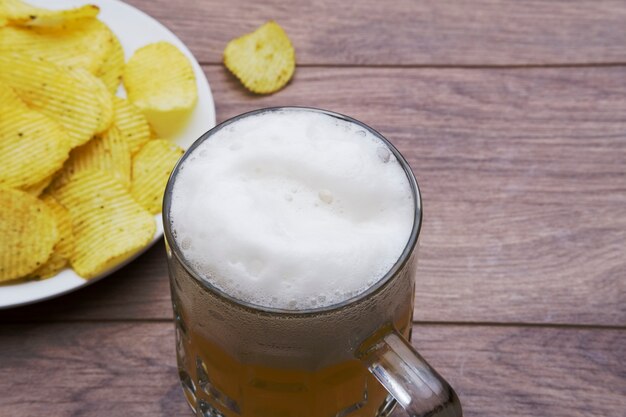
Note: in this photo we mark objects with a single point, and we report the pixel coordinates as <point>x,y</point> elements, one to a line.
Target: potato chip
<point>29,233</point>
<point>64,248</point>
<point>107,152</point>
<point>110,72</point>
<point>102,95</point>
<point>32,147</point>
<point>108,224</point>
<point>55,92</point>
<point>131,123</point>
<point>53,265</point>
<point>160,81</point>
<point>152,167</point>
<point>36,189</point>
<point>19,13</point>
<point>9,98</point>
<point>84,43</point>
<point>264,60</point>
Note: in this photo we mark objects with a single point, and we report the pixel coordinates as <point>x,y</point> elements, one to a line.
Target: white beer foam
<point>291,209</point>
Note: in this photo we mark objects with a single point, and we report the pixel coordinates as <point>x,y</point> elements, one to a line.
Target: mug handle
<point>419,389</point>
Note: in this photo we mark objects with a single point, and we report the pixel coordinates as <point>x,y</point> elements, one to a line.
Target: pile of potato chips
<point>82,172</point>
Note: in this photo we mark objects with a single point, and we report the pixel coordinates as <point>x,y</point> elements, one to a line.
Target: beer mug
<point>353,358</point>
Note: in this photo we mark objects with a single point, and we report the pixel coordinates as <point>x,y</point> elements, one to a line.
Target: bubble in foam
<point>185,243</point>
<point>383,153</point>
<point>326,196</point>
<point>253,240</point>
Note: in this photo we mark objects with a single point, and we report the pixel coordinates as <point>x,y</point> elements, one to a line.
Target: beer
<point>291,236</point>
<point>242,362</point>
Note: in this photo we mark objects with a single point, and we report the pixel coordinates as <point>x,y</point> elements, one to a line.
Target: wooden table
<point>513,117</point>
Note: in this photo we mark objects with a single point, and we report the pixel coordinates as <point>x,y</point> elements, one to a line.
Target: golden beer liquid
<point>235,361</point>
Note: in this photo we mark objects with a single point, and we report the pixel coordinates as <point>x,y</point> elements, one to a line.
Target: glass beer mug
<point>353,358</point>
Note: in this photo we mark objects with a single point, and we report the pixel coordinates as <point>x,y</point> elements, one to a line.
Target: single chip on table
<point>108,225</point>
<point>152,166</point>
<point>82,43</point>
<point>64,248</point>
<point>131,123</point>
<point>54,91</point>
<point>110,72</point>
<point>264,60</point>
<point>29,233</point>
<point>32,147</point>
<point>17,12</point>
<point>107,152</point>
<point>160,81</point>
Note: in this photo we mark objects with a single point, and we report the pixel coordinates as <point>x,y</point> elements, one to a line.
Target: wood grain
<point>523,176</point>
<point>123,369</point>
<point>408,32</point>
<point>523,182</point>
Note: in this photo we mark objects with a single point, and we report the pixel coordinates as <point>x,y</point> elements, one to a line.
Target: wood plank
<point>128,369</point>
<point>523,181</point>
<point>408,32</point>
<point>522,176</point>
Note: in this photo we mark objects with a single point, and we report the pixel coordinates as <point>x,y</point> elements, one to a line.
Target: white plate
<point>134,29</point>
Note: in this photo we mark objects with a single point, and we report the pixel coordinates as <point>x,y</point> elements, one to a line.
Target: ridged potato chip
<point>108,224</point>
<point>160,81</point>
<point>110,72</point>
<point>36,189</point>
<point>9,98</point>
<point>32,147</point>
<point>131,123</point>
<point>102,94</point>
<point>152,167</point>
<point>55,92</point>
<point>264,60</point>
<point>29,233</point>
<point>107,152</point>
<point>18,12</point>
<point>83,43</point>
<point>64,248</point>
